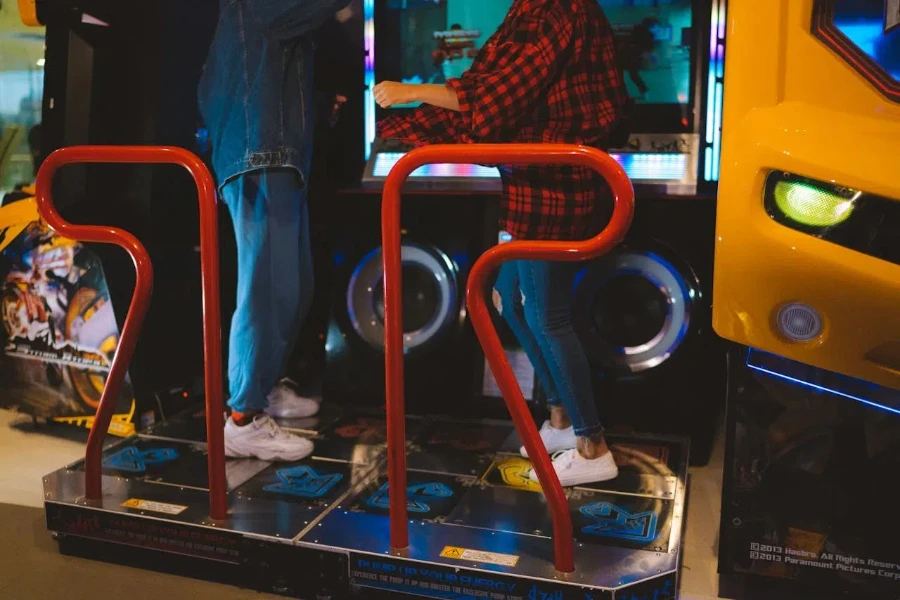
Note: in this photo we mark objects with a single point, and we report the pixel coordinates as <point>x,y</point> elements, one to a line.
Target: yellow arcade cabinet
<point>807,262</point>
<point>807,283</point>
<point>31,12</point>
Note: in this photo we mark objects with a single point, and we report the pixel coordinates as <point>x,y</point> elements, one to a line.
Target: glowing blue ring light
<point>666,278</point>
<point>369,273</point>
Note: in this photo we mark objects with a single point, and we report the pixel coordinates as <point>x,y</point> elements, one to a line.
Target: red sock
<point>240,419</point>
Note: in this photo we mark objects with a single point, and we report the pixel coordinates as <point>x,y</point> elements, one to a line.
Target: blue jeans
<point>275,280</point>
<point>535,300</point>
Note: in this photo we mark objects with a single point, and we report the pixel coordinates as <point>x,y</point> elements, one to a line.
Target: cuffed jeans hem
<point>589,432</point>
<point>246,406</point>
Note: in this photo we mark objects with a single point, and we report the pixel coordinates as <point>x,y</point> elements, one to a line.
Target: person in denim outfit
<point>256,98</point>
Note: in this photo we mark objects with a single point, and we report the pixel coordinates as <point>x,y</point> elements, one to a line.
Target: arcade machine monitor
<point>429,41</point>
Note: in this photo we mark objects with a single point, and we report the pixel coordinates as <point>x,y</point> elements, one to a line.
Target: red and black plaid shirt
<point>548,74</point>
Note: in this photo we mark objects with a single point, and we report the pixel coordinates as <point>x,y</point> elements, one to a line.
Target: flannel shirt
<point>548,74</point>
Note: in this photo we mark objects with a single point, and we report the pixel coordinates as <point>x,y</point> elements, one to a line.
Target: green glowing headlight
<point>812,205</point>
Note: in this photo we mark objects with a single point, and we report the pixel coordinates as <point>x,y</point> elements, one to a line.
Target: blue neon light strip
<point>369,98</point>
<point>715,90</point>
<point>824,381</point>
<point>717,131</point>
<point>638,166</point>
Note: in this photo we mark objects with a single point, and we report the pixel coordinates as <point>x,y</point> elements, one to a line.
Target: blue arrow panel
<point>619,520</point>
<point>428,496</point>
<point>311,482</point>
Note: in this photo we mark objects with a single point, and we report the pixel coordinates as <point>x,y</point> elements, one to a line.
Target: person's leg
<point>267,209</point>
<point>508,302</point>
<point>546,289</point>
<point>557,434</point>
<point>285,400</point>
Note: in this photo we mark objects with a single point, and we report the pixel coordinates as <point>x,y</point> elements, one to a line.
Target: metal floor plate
<point>471,506</point>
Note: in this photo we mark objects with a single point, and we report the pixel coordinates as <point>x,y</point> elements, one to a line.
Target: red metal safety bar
<point>517,154</point>
<point>212,335</point>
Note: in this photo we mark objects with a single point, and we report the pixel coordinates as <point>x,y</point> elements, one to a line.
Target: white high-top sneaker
<point>265,440</point>
<point>573,469</point>
<point>555,440</point>
<point>285,403</point>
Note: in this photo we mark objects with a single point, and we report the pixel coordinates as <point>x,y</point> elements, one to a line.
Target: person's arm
<point>286,19</point>
<point>435,94</point>
<point>392,93</point>
<point>528,62</point>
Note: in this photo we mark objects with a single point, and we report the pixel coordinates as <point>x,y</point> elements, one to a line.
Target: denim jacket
<point>256,94</point>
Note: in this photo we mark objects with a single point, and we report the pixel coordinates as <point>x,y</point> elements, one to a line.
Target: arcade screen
<point>873,29</point>
<point>428,41</point>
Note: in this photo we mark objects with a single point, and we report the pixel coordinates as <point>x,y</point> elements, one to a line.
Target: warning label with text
<point>157,507</point>
<point>492,558</point>
<point>443,581</point>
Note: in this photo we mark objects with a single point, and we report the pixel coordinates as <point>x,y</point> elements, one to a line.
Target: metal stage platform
<point>478,527</point>
<point>471,525</point>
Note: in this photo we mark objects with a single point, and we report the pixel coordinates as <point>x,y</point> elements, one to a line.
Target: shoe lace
<point>563,460</point>
<point>266,422</point>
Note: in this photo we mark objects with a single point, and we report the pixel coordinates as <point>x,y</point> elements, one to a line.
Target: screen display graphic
<point>434,40</point>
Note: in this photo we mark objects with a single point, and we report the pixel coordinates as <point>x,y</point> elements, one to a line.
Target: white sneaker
<point>555,440</point>
<point>264,439</point>
<point>285,403</point>
<point>573,469</point>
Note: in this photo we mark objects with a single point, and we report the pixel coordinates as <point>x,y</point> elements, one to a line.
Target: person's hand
<point>392,93</point>
<point>345,14</point>
<point>336,107</point>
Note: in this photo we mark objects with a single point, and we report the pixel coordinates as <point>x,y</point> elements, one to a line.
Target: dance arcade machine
<point>59,332</point>
<point>643,312</point>
<point>807,282</point>
<point>118,73</point>
<point>463,521</point>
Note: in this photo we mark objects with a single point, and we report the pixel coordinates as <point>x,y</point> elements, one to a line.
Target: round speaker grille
<point>799,322</point>
<point>430,296</point>
<point>632,310</point>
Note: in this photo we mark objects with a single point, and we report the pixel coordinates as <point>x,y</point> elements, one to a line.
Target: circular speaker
<point>633,309</point>
<point>799,322</point>
<point>430,296</point>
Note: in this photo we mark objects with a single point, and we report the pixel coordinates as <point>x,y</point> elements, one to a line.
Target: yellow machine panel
<point>28,11</point>
<point>807,261</point>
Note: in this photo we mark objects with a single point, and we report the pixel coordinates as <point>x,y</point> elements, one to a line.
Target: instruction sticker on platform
<point>157,507</point>
<point>491,558</point>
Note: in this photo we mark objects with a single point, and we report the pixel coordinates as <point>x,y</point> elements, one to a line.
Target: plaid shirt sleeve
<point>520,68</point>
<point>427,125</point>
<point>614,80</point>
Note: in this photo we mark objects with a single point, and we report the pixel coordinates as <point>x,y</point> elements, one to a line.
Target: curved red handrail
<point>209,260</point>
<point>519,154</point>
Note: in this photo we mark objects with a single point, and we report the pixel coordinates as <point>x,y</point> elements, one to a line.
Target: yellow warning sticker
<point>159,507</point>
<point>491,558</point>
